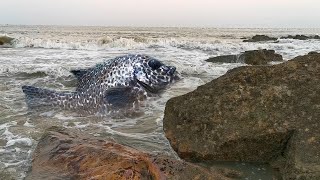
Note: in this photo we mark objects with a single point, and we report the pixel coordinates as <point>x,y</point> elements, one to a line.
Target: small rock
<point>5,40</point>
<point>259,38</point>
<point>255,57</point>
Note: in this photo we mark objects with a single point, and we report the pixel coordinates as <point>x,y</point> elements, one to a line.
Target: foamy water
<point>44,55</point>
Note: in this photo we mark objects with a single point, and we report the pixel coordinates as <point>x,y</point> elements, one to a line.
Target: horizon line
<point>168,26</point>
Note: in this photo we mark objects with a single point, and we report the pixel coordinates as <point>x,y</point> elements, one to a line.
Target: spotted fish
<point>114,84</point>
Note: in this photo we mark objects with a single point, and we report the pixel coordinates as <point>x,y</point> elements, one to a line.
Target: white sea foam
<point>22,141</point>
<point>287,47</point>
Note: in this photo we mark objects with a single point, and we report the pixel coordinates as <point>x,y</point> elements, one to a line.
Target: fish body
<point>114,84</point>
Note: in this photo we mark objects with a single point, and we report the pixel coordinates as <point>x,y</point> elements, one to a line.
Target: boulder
<point>259,38</point>
<point>254,57</point>
<point>264,114</point>
<point>71,154</point>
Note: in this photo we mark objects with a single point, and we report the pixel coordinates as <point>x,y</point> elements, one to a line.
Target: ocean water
<point>44,55</point>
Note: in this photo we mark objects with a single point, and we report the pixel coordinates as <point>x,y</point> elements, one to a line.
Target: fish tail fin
<point>39,97</point>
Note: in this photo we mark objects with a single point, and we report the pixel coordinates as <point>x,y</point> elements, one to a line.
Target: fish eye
<point>154,64</point>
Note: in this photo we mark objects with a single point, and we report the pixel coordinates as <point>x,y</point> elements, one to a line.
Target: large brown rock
<point>267,114</point>
<point>254,57</point>
<point>70,154</point>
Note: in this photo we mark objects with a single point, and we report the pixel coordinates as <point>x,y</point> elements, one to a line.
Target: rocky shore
<point>254,57</point>
<point>258,114</point>
<point>264,114</point>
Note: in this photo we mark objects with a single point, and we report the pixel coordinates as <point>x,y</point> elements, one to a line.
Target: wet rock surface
<point>267,114</point>
<point>300,37</point>
<point>70,154</point>
<point>260,38</point>
<point>254,57</point>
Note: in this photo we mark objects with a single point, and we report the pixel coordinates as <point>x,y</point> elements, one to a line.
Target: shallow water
<point>44,55</point>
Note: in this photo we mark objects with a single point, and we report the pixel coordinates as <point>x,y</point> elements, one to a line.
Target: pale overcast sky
<point>207,13</point>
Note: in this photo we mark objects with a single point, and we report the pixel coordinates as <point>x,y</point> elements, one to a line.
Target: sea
<point>44,55</point>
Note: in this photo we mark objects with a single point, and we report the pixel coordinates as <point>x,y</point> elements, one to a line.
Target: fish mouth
<point>147,87</point>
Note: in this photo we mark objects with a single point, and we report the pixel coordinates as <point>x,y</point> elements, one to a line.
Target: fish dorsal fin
<point>79,73</point>
<point>119,97</point>
<point>84,77</point>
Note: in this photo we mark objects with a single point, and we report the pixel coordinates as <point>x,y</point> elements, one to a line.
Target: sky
<point>155,13</point>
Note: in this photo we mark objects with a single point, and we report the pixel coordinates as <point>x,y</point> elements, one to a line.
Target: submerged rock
<point>259,38</point>
<point>254,57</point>
<point>5,40</point>
<point>266,114</point>
<point>67,154</point>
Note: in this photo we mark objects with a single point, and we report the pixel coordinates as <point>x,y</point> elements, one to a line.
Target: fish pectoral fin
<point>79,73</point>
<point>120,97</point>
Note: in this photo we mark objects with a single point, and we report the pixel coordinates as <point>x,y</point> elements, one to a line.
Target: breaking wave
<point>110,42</point>
<point>213,47</point>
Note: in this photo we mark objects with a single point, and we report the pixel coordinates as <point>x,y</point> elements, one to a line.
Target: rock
<point>70,154</point>
<point>313,52</point>
<point>264,114</point>
<point>259,38</point>
<point>260,57</point>
<point>255,57</point>
<point>300,37</point>
<point>5,40</point>
<point>225,59</point>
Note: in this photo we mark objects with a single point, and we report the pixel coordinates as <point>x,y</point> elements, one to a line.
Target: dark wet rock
<point>260,57</point>
<point>264,114</point>
<point>225,59</point>
<point>70,154</point>
<point>313,53</point>
<point>300,37</point>
<point>5,40</point>
<point>259,38</point>
<point>255,57</point>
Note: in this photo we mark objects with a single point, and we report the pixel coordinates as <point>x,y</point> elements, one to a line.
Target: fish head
<point>153,75</point>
